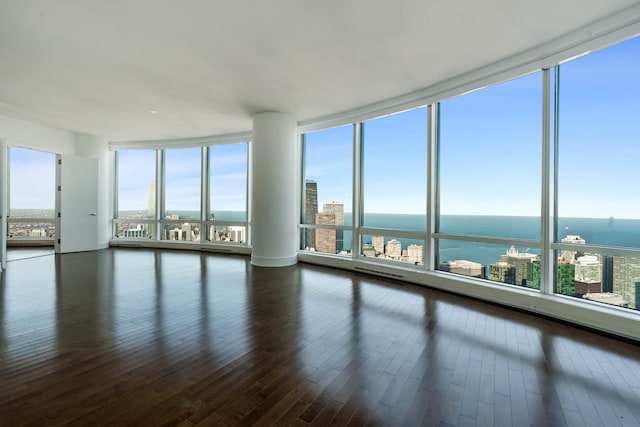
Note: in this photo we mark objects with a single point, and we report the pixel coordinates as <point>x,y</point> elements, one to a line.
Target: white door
<point>77,204</point>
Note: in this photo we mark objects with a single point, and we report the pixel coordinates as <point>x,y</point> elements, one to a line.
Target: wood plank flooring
<point>141,337</point>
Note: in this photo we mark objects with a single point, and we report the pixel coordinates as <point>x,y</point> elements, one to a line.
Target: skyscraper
<point>325,239</point>
<point>311,211</point>
<point>338,209</point>
<point>626,276</point>
<point>393,249</point>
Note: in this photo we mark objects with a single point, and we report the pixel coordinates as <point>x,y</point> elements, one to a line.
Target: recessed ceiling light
<point>153,112</point>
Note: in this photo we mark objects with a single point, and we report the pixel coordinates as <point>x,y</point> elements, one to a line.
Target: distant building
<point>626,279</point>
<point>607,274</point>
<point>40,232</point>
<point>414,254</point>
<point>311,211</point>
<point>519,261</point>
<point>237,234</point>
<point>463,267</point>
<point>135,233</point>
<point>325,238</point>
<point>565,278</point>
<point>338,209</point>
<point>378,244</point>
<point>503,272</point>
<point>393,249</point>
<point>572,239</point>
<point>368,250</point>
<point>587,286</point>
<point>588,267</point>
<point>533,274</point>
<point>607,298</point>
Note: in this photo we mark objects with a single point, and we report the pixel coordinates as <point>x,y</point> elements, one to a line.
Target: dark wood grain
<point>167,338</point>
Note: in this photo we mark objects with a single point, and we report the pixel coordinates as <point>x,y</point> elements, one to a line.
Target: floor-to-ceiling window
<point>182,169</point>
<point>327,191</point>
<point>136,194</point>
<point>227,210</point>
<point>489,222</point>
<point>394,180</point>
<point>534,181</point>
<point>201,196</point>
<point>31,210</point>
<point>597,238</point>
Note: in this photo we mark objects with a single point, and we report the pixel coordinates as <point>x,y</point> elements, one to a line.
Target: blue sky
<point>490,153</point>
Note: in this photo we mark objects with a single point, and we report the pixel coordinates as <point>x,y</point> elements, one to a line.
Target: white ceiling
<point>206,66</point>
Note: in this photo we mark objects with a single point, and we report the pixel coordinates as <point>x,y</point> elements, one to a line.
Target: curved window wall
<point>529,183</point>
<point>186,195</point>
<point>597,238</point>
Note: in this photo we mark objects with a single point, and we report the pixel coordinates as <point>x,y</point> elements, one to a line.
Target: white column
<point>274,210</point>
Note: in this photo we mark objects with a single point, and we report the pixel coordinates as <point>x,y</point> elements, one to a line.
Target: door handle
<point>93,214</point>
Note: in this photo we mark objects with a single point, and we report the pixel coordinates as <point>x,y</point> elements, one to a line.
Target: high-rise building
<point>626,276</point>
<point>587,286</point>
<point>325,238</point>
<point>519,261</point>
<point>588,267</point>
<point>378,244</point>
<point>338,209</point>
<point>138,232</point>
<point>502,271</point>
<point>607,273</point>
<point>414,254</point>
<point>533,274</point>
<point>311,211</point>
<point>393,249</point>
<point>236,234</point>
<point>565,278</point>
<point>368,251</point>
<point>463,267</point>
<point>572,239</point>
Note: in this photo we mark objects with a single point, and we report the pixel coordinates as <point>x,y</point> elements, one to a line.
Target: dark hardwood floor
<point>157,338</point>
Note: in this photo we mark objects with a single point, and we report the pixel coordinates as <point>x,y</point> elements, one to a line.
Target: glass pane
<point>32,177</point>
<point>182,183</point>
<point>613,280</point>
<point>228,182</point>
<point>181,231</point>
<point>326,239</point>
<point>409,251</point>
<point>328,169</point>
<point>395,171</point>
<point>136,184</point>
<point>490,160</point>
<point>599,147</point>
<point>514,265</point>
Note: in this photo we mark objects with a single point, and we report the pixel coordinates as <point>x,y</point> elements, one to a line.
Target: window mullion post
<point>429,257</point>
<point>204,191</point>
<point>302,232</point>
<point>159,213</point>
<point>116,180</point>
<point>546,262</point>
<point>357,196</point>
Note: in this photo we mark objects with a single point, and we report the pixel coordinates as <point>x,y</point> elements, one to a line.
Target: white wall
<point>20,133</point>
<point>98,148</point>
